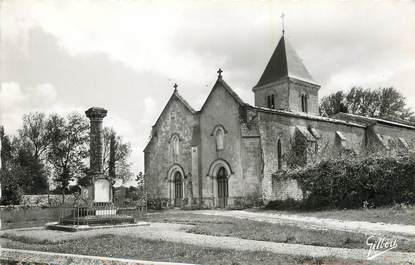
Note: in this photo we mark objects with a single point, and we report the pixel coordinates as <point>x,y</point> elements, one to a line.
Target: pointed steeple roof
<point>284,62</point>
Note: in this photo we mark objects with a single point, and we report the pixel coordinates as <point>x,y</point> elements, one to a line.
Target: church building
<point>224,154</point>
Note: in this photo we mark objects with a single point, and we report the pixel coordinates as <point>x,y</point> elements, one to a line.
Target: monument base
<point>98,220</point>
<point>99,213</point>
<point>76,228</point>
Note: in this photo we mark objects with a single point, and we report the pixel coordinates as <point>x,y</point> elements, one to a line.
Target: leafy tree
<point>385,103</point>
<point>34,133</point>
<point>118,161</point>
<point>32,145</point>
<point>392,104</point>
<point>7,149</point>
<point>69,137</point>
<point>34,178</point>
<point>11,187</point>
<point>333,104</point>
<point>11,176</point>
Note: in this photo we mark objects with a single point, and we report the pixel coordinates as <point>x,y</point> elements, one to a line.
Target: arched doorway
<point>178,189</point>
<point>222,179</point>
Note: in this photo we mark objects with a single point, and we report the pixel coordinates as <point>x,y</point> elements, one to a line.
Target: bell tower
<point>285,83</point>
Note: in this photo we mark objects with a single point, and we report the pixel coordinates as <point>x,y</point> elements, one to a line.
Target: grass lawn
<point>27,217</point>
<point>135,248</point>
<point>263,231</point>
<point>132,247</point>
<point>393,215</point>
<point>21,217</point>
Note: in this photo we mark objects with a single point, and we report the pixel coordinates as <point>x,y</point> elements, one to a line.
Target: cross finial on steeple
<point>219,73</point>
<point>175,87</point>
<point>283,26</point>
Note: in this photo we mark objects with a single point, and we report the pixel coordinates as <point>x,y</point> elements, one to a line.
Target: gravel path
<point>174,233</point>
<point>349,226</point>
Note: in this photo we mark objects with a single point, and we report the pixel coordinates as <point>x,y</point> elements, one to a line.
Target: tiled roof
<point>284,62</point>
<point>369,120</point>
<point>307,116</point>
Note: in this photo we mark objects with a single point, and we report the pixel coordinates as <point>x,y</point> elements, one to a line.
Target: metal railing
<point>100,213</point>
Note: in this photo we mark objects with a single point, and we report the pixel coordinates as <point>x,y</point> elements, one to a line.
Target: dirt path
<point>176,233</point>
<point>349,226</point>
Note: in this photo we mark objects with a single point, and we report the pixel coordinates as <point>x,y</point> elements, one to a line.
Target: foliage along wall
<point>353,183</point>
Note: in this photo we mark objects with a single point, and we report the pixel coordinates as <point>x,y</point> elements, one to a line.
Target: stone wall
<point>220,109</point>
<point>274,127</point>
<point>296,88</point>
<point>45,200</point>
<point>252,162</point>
<point>394,133</point>
<point>252,167</point>
<point>278,89</point>
<point>287,189</point>
<point>175,119</point>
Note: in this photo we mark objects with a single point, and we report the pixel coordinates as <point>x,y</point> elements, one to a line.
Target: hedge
<point>352,183</point>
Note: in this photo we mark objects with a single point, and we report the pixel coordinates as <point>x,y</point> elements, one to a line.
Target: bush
<point>157,203</point>
<point>288,204</point>
<point>11,191</point>
<point>345,183</point>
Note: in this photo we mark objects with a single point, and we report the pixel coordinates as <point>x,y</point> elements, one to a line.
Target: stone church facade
<point>224,154</point>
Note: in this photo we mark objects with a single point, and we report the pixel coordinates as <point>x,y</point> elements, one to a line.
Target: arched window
<point>271,101</point>
<point>279,154</point>
<point>219,134</point>
<point>304,103</point>
<point>175,143</point>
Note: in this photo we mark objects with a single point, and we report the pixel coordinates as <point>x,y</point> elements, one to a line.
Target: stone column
<point>96,115</point>
<point>102,191</point>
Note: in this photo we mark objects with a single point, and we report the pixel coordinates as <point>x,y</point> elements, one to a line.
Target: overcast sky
<point>125,56</point>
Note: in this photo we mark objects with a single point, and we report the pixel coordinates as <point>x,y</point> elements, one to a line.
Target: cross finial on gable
<point>283,26</point>
<point>219,73</point>
<point>175,87</point>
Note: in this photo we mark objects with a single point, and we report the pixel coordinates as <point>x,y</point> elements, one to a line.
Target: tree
<point>69,138</point>
<point>34,179</point>
<point>11,176</point>
<point>7,149</point>
<point>115,163</point>
<point>11,188</point>
<point>385,103</point>
<point>393,104</point>
<point>34,133</point>
<point>333,104</point>
<point>33,143</point>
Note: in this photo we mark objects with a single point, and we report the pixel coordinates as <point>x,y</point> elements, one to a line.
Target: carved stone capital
<point>96,113</point>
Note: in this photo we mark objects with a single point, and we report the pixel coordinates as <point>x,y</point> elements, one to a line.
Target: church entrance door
<point>222,187</point>
<point>178,189</point>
